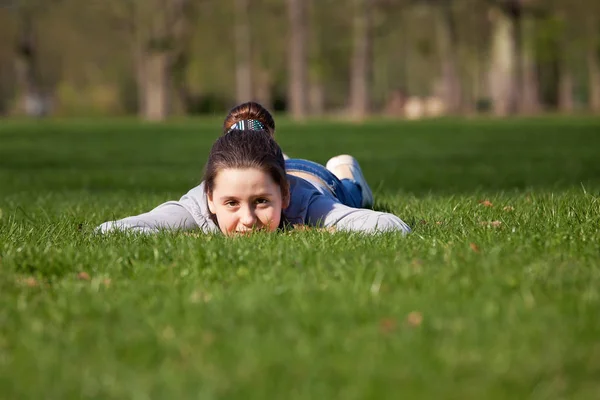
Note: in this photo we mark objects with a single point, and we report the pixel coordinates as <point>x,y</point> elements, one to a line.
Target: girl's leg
<point>354,188</point>
<point>347,169</point>
<point>345,192</point>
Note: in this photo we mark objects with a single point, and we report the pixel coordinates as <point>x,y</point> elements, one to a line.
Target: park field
<point>495,294</point>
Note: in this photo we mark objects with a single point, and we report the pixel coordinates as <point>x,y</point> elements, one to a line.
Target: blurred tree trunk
<point>152,62</point>
<point>502,74</point>
<point>297,59</point>
<point>594,81</point>
<point>529,101</point>
<point>181,54</point>
<point>593,64</point>
<point>565,89</point>
<point>161,33</point>
<point>180,86</point>
<point>316,98</point>
<point>565,74</point>
<point>361,67</point>
<point>316,60</point>
<point>157,100</point>
<point>263,88</point>
<point>243,52</point>
<point>447,47</point>
<point>29,93</point>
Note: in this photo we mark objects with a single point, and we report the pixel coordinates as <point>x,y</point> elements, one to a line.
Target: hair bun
<point>252,115</point>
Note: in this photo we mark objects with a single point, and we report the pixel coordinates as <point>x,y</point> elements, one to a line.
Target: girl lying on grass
<point>248,186</point>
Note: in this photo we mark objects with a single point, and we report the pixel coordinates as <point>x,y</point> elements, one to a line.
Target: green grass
<point>464,307</point>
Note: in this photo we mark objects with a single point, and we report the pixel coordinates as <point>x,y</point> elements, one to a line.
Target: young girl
<point>249,186</point>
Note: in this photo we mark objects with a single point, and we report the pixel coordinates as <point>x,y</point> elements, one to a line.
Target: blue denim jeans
<point>346,191</point>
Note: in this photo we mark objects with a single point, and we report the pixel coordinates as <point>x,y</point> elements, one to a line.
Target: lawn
<point>495,294</point>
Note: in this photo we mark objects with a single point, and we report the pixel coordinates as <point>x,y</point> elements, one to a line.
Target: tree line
<point>352,58</point>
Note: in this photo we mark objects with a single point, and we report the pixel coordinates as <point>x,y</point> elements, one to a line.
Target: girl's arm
<point>170,216</point>
<point>325,212</point>
<point>190,212</point>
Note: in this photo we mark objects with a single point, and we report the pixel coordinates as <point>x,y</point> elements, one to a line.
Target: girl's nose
<point>248,218</point>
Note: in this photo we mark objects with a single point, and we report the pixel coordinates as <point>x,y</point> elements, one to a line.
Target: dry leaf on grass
<point>474,247</point>
<point>414,318</point>
<point>417,262</point>
<point>29,281</point>
<point>509,208</point>
<point>387,325</point>
<point>486,203</point>
<point>199,296</point>
<point>493,224</point>
<point>83,276</point>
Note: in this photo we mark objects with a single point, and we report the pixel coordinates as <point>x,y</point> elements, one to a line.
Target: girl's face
<point>244,200</point>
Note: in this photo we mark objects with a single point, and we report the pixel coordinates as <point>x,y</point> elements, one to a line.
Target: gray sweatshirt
<point>308,206</point>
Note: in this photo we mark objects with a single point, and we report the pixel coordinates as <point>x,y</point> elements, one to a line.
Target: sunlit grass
<point>496,293</point>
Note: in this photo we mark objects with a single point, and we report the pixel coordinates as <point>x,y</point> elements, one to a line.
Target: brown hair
<point>249,111</point>
<point>246,149</point>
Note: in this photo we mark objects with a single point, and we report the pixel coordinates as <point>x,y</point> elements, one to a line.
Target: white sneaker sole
<point>357,175</point>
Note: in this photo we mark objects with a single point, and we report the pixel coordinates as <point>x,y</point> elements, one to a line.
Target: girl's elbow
<point>391,223</point>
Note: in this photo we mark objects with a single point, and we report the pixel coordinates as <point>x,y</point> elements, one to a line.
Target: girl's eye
<point>231,204</point>
<point>262,201</point>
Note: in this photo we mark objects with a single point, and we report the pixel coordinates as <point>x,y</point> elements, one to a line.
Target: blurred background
<point>350,59</point>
